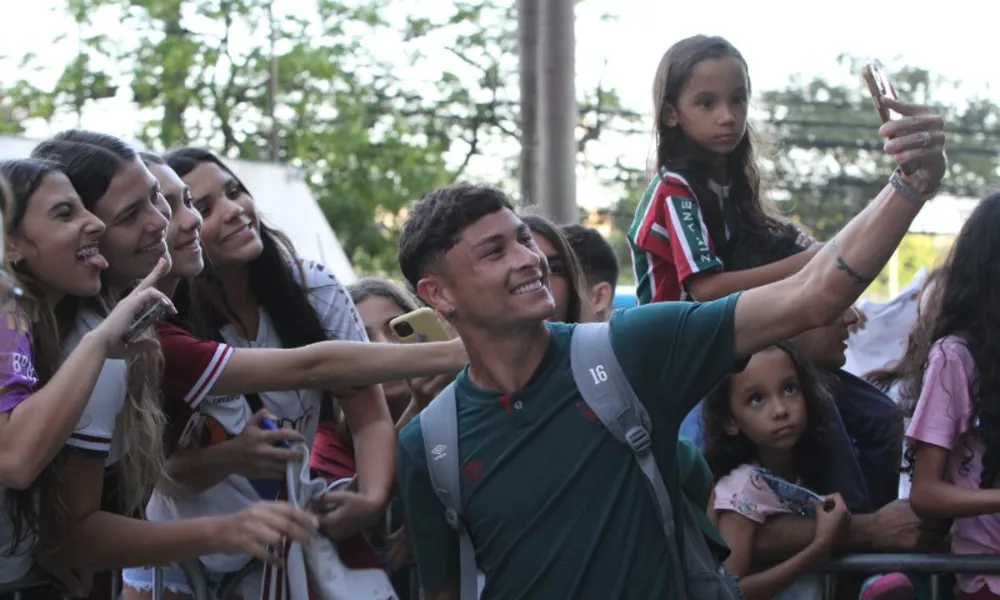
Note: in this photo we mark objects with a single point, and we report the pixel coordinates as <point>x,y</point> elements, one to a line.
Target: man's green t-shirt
<point>555,506</point>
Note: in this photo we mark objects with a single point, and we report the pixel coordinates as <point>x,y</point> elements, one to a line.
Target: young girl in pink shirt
<point>763,431</point>
<point>950,383</point>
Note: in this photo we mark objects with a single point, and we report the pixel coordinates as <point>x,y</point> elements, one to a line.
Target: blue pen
<point>270,425</point>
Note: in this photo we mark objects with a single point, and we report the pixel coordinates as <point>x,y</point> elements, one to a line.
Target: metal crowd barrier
<point>934,565</point>
<point>34,579</point>
<point>38,577</point>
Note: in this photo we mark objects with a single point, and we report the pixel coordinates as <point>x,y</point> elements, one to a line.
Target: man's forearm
<point>784,536</point>
<point>830,282</point>
<point>850,261</point>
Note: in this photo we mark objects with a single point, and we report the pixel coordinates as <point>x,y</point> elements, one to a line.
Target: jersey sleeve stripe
<point>661,231</point>
<point>90,443</point>
<point>209,376</point>
<point>648,220</point>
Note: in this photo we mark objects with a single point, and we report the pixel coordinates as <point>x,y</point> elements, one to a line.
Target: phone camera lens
<point>403,329</point>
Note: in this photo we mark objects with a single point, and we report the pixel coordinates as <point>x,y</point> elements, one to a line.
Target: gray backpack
<point>607,392</point>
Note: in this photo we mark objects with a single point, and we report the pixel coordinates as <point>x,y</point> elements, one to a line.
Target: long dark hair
<point>676,152</point>
<point>92,160</point>
<point>47,327</point>
<point>725,452</point>
<point>963,300</point>
<point>577,307</point>
<point>273,282</point>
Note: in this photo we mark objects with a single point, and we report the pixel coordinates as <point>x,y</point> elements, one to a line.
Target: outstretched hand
<point>916,143</point>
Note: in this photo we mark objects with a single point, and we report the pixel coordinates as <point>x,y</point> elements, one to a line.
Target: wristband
<point>907,191</point>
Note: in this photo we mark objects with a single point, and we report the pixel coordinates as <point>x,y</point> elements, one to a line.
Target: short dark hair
<point>759,248</point>
<point>596,256</point>
<point>437,220</point>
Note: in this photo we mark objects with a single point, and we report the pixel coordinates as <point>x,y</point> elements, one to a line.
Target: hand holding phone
<point>146,320</point>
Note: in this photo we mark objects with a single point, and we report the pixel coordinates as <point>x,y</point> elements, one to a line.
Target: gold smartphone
<point>879,86</point>
<point>421,325</point>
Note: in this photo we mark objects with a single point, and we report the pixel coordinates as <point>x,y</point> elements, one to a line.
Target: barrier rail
<point>38,577</point>
<point>934,565</point>
<point>35,578</point>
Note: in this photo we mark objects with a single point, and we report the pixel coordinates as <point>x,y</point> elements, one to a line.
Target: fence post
<point>158,583</point>
<point>829,586</point>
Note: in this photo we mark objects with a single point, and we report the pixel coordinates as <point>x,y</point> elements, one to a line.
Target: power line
<point>872,146</point>
<point>841,125</point>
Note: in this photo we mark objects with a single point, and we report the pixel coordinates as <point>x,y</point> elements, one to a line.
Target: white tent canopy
<point>283,201</point>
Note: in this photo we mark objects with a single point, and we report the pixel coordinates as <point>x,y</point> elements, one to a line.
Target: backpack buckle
<point>638,439</point>
<point>451,517</point>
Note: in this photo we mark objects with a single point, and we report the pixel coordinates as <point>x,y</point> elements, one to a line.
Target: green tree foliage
<point>375,105</point>
<point>829,162</point>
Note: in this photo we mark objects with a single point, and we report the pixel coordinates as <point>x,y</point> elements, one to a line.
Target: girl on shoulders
<point>707,186</point>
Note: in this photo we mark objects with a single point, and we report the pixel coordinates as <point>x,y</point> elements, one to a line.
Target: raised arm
<point>833,280</point>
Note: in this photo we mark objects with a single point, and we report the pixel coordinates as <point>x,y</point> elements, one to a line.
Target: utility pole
<point>557,111</point>
<point>527,54</point>
<point>272,91</point>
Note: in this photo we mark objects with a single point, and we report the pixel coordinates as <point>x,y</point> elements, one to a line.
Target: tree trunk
<point>527,54</point>
<point>557,112</point>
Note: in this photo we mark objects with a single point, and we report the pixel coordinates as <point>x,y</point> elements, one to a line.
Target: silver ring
<point>925,139</point>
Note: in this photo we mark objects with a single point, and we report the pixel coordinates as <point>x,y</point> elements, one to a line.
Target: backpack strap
<point>603,386</point>
<point>439,427</point>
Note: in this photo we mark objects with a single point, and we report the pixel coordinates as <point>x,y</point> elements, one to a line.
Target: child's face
<point>767,403</point>
<point>712,106</point>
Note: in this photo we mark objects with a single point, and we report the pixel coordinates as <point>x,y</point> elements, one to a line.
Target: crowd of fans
<point>126,457</point>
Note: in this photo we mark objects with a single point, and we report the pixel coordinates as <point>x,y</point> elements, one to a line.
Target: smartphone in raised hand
<point>144,322</point>
<point>877,80</point>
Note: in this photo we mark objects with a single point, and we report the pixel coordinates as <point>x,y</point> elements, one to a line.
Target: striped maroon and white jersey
<point>669,239</point>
